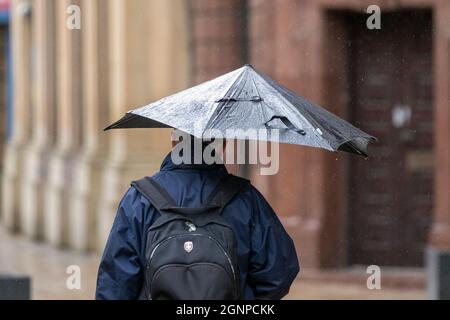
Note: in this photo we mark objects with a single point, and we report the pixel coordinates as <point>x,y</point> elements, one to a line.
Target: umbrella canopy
<point>247,99</point>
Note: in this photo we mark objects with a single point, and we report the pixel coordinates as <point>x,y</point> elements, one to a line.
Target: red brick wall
<point>262,38</point>
<point>218,37</point>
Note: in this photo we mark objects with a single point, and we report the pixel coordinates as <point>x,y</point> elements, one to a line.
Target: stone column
<point>69,125</point>
<point>90,161</point>
<point>287,41</point>
<point>438,253</point>
<point>137,50</point>
<point>281,36</point>
<point>4,112</point>
<point>14,157</point>
<point>261,34</point>
<point>36,153</point>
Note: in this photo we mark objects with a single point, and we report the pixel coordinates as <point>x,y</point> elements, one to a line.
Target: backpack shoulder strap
<point>226,190</point>
<point>154,193</point>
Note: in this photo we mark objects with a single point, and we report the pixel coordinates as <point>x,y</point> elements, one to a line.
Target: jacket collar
<point>168,165</point>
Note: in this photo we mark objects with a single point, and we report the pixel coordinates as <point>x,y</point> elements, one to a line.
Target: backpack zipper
<point>195,235</point>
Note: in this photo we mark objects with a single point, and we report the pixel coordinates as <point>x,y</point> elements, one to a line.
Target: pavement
<point>51,269</point>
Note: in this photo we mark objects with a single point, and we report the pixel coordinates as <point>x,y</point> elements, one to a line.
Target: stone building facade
<point>62,176</point>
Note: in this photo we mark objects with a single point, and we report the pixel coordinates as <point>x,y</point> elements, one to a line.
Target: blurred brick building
<point>62,177</point>
<point>393,83</point>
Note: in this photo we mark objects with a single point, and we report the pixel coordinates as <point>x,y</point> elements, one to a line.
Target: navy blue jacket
<point>267,257</point>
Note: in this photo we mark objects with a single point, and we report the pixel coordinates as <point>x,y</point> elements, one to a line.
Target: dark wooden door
<point>391,195</point>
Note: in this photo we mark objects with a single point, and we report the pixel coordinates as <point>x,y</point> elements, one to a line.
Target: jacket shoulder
<point>241,179</point>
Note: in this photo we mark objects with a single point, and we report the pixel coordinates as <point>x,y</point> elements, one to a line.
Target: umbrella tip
<point>248,65</point>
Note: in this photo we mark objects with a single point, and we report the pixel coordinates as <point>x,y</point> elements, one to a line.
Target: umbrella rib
<point>212,119</point>
<point>261,101</point>
<point>314,124</point>
<point>283,90</point>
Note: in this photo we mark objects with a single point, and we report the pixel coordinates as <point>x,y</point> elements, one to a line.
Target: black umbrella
<point>250,101</point>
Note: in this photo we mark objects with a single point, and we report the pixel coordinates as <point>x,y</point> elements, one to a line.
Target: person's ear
<point>175,137</point>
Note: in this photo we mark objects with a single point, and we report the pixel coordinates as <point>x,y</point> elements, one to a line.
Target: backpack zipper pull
<point>191,226</point>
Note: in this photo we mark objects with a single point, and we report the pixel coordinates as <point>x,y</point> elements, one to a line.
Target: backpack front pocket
<point>192,266</point>
<point>195,281</point>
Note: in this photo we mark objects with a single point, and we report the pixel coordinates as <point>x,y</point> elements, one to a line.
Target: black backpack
<point>191,253</point>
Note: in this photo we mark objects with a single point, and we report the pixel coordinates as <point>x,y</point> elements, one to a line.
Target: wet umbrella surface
<point>247,99</point>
